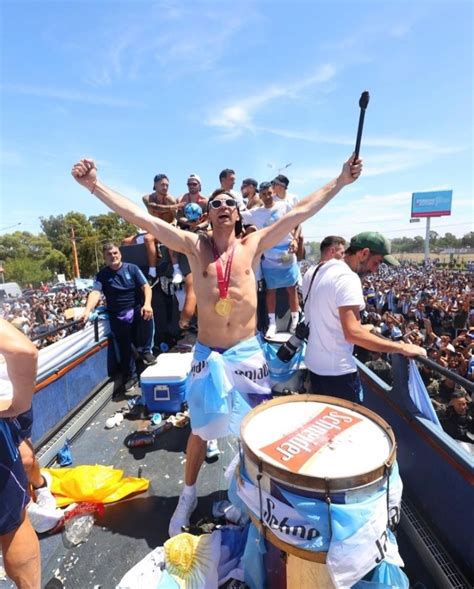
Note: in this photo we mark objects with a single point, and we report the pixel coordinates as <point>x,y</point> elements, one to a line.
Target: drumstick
<point>363,102</point>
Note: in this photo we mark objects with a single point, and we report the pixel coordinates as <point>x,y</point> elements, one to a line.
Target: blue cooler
<point>163,384</point>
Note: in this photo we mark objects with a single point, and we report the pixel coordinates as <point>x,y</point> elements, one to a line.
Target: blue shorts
<point>280,276</point>
<point>345,386</point>
<point>14,495</point>
<point>24,423</point>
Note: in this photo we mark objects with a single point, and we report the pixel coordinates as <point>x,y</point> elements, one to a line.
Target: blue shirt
<point>122,288</point>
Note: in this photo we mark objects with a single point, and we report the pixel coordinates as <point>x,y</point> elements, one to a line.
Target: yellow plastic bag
<point>95,483</point>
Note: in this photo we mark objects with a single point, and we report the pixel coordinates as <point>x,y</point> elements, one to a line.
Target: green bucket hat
<point>377,243</point>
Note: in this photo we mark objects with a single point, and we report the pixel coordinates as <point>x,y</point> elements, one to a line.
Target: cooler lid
<point>168,367</point>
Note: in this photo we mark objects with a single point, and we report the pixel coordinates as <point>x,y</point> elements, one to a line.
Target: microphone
<point>363,102</point>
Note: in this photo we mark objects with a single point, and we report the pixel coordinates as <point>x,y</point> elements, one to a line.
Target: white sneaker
<point>44,497</point>
<point>212,449</point>
<point>177,277</point>
<point>186,505</point>
<point>271,331</point>
<point>43,519</point>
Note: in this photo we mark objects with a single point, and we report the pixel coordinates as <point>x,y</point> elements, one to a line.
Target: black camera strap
<point>311,283</point>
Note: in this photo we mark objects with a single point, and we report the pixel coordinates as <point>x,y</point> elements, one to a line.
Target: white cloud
<point>173,38</point>
<point>68,95</point>
<point>238,116</point>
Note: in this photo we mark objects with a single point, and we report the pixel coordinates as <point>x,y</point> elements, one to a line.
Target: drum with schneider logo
<point>317,447</point>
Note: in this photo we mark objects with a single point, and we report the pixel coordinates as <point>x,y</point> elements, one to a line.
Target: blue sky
<point>193,87</point>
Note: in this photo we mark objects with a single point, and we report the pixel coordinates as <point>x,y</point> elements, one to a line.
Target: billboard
<point>431,204</point>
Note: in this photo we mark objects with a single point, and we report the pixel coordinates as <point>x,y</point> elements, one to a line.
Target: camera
<point>287,350</point>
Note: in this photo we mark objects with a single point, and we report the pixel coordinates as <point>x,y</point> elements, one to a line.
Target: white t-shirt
<point>238,198</point>
<point>336,285</point>
<point>263,217</point>
<point>290,199</point>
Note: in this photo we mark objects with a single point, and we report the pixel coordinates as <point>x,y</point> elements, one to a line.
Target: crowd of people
<point>39,311</point>
<point>433,308</point>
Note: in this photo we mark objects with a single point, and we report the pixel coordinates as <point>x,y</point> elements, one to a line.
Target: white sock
<point>189,490</point>
<point>271,318</point>
<point>152,271</point>
<point>176,268</point>
<point>294,317</point>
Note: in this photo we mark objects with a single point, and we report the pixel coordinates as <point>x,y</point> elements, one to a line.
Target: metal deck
<point>132,527</point>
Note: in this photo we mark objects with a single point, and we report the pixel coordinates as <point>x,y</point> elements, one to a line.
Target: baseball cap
<point>377,243</point>
<point>281,180</point>
<point>194,177</point>
<point>264,186</point>
<point>158,178</point>
<point>250,182</point>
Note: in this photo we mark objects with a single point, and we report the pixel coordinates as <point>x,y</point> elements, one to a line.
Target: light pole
<point>75,259</point>
<point>279,169</point>
<point>10,226</point>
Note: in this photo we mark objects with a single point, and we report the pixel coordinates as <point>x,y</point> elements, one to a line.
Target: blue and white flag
<point>419,394</point>
<point>359,539</point>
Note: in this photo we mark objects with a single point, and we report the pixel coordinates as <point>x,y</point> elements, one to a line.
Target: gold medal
<point>223,307</point>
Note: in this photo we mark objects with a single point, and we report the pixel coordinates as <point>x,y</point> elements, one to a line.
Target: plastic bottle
<point>77,529</point>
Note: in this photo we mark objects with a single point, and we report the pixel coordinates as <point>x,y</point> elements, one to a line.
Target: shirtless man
<point>249,190</point>
<point>18,540</point>
<point>192,196</point>
<point>162,205</point>
<point>225,286</point>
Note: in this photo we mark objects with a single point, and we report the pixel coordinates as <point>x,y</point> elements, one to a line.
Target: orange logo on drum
<point>296,448</point>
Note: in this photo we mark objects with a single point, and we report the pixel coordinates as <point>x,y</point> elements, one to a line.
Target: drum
<point>313,447</point>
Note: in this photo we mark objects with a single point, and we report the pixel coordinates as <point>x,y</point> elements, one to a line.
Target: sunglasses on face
<point>193,184</point>
<point>229,202</point>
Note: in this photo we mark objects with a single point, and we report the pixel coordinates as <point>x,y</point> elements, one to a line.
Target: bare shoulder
<point>251,242</point>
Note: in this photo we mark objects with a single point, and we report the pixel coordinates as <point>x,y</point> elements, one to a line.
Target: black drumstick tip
<point>364,99</point>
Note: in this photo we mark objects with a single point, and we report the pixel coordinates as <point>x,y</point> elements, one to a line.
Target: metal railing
<point>66,326</point>
<point>457,378</point>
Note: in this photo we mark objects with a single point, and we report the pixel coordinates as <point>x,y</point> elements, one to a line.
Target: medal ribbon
<point>223,278</point>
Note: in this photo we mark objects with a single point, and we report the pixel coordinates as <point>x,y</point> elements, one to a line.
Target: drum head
<point>318,442</point>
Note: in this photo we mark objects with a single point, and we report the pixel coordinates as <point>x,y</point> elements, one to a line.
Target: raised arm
<point>309,206</point>
<point>85,173</point>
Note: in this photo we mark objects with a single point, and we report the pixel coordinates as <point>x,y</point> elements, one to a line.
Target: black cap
<point>281,180</point>
<point>159,177</point>
<point>250,182</point>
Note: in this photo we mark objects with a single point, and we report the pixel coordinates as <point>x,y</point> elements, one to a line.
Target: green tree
<point>468,240</point>
<point>25,270</point>
<point>23,244</point>
<point>419,244</point>
<point>449,240</point>
<point>111,227</point>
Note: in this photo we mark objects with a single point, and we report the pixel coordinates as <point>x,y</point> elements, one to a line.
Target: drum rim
<point>317,483</point>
